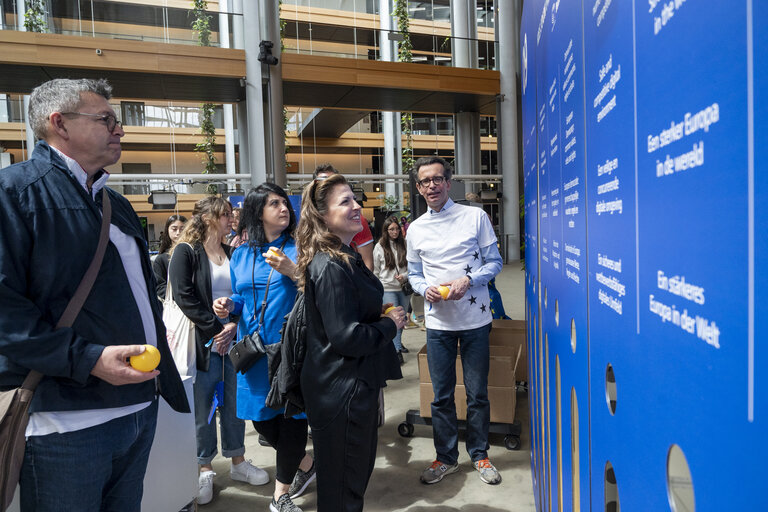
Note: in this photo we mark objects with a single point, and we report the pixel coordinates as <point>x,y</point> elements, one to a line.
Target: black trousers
<point>289,438</point>
<point>345,452</point>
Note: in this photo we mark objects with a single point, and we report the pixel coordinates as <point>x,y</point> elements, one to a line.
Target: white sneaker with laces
<point>247,472</point>
<point>205,490</point>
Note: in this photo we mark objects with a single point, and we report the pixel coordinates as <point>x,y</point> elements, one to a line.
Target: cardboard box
<point>502,398</point>
<point>503,401</point>
<point>511,333</point>
<point>501,367</point>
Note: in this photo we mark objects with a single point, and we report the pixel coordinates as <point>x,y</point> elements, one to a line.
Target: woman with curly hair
<point>199,272</point>
<point>349,351</point>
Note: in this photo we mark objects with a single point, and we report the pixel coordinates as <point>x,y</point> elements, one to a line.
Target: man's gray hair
<point>429,160</point>
<point>61,95</point>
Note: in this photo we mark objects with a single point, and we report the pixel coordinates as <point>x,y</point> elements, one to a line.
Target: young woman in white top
<point>390,266</point>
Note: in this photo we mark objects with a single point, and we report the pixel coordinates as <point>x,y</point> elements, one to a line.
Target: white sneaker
<point>205,491</point>
<point>247,472</point>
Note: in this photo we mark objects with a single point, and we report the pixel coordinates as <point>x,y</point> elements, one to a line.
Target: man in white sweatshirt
<point>452,249</point>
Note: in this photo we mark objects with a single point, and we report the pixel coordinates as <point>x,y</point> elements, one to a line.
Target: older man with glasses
<point>93,416</point>
<point>452,254</point>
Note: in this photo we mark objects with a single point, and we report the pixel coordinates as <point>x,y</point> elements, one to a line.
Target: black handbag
<point>246,352</point>
<point>407,288</point>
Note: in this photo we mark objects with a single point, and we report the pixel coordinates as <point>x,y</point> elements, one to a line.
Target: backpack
<point>286,360</point>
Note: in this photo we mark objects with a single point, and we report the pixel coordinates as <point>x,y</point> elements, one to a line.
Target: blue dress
<point>252,388</point>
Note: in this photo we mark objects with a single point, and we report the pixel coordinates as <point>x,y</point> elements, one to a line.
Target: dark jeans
<point>96,469</point>
<point>289,438</point>
<point>441,356</point>
<point>345,452</point>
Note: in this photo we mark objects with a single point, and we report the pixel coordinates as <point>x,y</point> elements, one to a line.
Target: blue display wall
<point>644,139</point>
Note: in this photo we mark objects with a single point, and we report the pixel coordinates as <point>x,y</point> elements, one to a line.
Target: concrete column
<point>390,121</point>
<point>466,124</point>
<point>508,30</point>
<point>275,126</point>
<point>229,128</point>
<point>257,151</point>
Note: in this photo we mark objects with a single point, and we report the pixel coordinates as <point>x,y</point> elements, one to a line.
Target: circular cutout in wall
<point>611,490</point>
<point>679,481</point>
<point>610,389</point>
<point>573,335</point>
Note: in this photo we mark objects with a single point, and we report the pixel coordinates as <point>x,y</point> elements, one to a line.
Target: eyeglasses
<point>437,180</point>
<point>109,119</point>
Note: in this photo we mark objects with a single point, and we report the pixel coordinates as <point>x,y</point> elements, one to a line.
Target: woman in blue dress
<point>269,255</point>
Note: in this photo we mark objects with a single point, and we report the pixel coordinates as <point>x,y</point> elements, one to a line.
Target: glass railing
<point>332,40</point>
<point>134,21</point>
<point>426,10</point>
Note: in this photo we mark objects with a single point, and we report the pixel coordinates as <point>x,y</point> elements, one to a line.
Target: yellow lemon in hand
<point>273,252</point>
<point>390,308</point>
<point>443,291</point>
<point>147,360</point>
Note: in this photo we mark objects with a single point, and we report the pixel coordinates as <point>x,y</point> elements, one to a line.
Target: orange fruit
<point>147,360</point>
<point>443,291</point>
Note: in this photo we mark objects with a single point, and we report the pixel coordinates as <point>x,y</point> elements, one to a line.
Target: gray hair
<point>429,160</point>
<point>61,95</point>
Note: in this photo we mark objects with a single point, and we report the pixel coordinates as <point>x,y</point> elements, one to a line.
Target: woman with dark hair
<point>391,267</point>
<point>168,237</point>
<point>199,271</point>
<point>266,259</point>
<point>349,352</point>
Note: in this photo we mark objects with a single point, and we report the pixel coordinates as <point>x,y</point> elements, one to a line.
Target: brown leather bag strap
<point>84,288</point>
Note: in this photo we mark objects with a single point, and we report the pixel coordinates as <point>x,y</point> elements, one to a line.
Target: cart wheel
<point>512,442</point>
<point>405,429</point>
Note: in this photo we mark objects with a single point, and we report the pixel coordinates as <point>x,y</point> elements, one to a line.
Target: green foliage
<point>202,22</point>
<point>390,203</point>
<point>34,16</point>
<point>405,54</point>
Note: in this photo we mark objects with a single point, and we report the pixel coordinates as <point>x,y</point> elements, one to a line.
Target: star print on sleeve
<point>472,299</point>
<point>476,255</point>
<point>468,269</point>
<point>483,308</point>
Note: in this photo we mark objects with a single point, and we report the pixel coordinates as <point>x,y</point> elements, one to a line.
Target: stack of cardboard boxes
<point>508,365</point>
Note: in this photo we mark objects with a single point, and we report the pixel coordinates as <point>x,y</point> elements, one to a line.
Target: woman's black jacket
<point>190,275</point>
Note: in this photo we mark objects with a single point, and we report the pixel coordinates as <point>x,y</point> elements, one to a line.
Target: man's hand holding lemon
<point>452,290</point>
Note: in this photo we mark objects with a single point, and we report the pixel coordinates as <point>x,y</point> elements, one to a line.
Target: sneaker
<point>400,358</point>
<point>283,504</point>
<point>488,473</point>
<point>301,481</point>
<point>437,471</point>
<point>247,472</point>
<point>205,489</point>
<point>402,347</point>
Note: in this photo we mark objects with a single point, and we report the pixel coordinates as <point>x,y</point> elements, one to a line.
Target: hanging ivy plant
<point>202,25</point>
<point>405,54</point>
<point>34,16</point>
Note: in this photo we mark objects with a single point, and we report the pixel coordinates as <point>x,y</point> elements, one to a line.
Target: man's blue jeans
<point>441,356</point>
<point>232,427</point>
<point>96,469</point>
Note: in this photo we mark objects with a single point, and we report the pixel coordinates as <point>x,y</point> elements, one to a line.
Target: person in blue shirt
<point>268,220</point>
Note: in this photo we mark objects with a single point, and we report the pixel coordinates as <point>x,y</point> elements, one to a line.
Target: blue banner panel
<point>612,255</point>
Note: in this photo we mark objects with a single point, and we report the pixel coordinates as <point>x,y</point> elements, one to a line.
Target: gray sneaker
<point>488,473</point>
<point>437,471</point>
<point>301,481</point>
<point>283,504</point>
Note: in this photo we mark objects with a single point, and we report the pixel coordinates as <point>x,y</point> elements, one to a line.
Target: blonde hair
<point>312,234</point>
<point>205,217</point>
